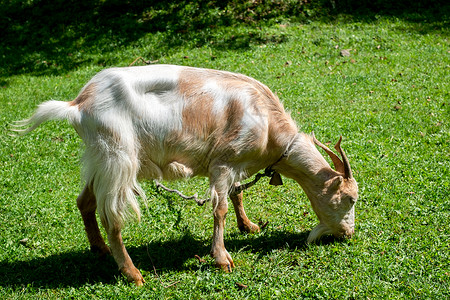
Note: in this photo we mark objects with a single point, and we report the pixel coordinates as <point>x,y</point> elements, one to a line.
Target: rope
<point>268,172</point>
<point>200,202</point>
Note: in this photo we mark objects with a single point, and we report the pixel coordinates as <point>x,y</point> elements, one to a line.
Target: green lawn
<point>389,99</point>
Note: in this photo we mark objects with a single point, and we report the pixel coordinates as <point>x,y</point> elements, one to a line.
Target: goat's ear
<point>336,182</point>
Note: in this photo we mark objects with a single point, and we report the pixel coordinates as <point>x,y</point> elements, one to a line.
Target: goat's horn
<point>347,169</point>
<point>338,164</point>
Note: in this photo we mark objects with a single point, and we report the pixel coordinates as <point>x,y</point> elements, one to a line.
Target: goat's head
<point>334,203</point>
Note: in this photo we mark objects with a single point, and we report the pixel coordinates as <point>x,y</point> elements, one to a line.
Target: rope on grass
<point>200,202</point>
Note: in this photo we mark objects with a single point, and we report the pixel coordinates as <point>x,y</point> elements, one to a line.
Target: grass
<point>389,99</point>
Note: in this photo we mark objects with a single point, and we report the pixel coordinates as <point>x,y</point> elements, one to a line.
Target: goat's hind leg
<point>243,222</point>
<point>115,188</point>
<point>87,205</point>
<point>118,250</point>
<point>123,260</point>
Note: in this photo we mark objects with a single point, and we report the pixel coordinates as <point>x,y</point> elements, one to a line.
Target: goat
<point>170,122</point>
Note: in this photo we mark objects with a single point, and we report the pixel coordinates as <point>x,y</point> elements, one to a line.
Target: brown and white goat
<point>170,122</point>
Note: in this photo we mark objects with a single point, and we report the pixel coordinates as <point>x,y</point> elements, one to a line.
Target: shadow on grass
<point>74,269</point>
<point>43,37</point>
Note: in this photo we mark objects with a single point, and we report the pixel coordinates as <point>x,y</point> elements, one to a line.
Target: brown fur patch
<point>281,127</point>
<point>231,121</point>
<point>85,99</point>
<point>209,136</point>
<point>198,118</point>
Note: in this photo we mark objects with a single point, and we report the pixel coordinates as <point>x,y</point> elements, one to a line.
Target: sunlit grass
<point>390,101</point>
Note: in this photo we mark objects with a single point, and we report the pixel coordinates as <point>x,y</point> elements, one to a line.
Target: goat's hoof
<point>249,228</point>
<point>223,260</point>
<point>226,265</point>
<point>139,282</point>
<point>227,268</point>
<point>133,275</point>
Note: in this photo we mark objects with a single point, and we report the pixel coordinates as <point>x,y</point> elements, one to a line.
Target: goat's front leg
<point>122,258</point>
<point>87,205</point>
<point>221,256</point>
<point>244,224</point>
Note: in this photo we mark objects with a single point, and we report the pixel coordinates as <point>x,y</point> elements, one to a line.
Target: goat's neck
<point>306,165</point>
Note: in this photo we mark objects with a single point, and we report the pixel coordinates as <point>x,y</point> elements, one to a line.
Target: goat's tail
<point>50,110</point>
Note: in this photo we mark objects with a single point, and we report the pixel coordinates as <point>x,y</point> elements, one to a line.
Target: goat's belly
<point>176,170</point>
<point>173,170</point>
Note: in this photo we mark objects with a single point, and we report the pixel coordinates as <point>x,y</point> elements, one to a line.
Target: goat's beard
<point>318,232</point>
